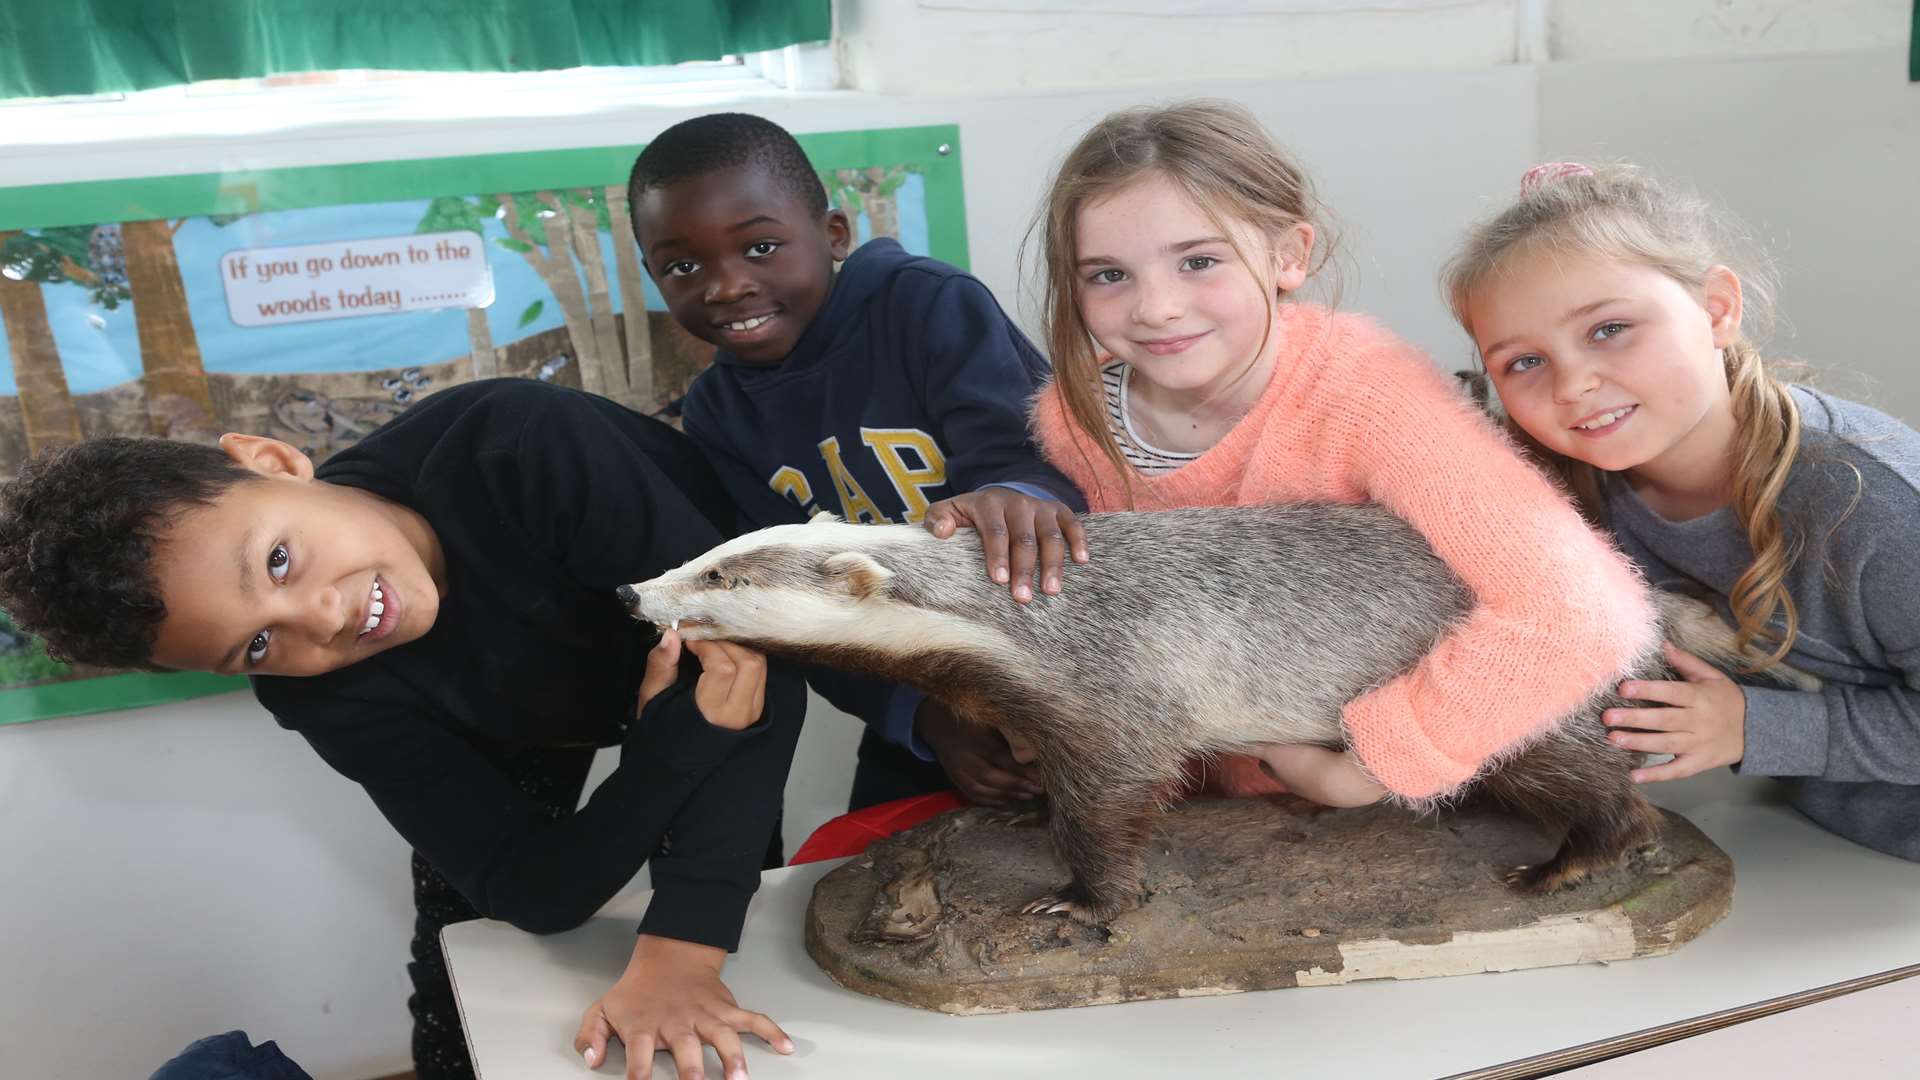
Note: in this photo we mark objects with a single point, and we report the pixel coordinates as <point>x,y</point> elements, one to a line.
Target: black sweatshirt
<point>545,500</point>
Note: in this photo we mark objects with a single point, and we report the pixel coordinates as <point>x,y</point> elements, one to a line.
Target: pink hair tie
<point>1552,170</point>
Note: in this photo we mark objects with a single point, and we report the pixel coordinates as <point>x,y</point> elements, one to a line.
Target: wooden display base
<point>1247,894</point>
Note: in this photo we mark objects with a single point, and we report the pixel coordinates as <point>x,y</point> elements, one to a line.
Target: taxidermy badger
<point>1191,632</point>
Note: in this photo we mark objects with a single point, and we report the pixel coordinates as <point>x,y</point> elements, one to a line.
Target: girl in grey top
<point>1612,332</point>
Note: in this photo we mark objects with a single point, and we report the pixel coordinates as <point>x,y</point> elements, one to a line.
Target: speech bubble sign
<point>350,278</point>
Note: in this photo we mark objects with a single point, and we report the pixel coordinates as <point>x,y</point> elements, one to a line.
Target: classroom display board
<point>314,304</point>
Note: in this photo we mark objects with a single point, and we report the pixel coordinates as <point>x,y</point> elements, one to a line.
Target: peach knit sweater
<point>1352,415</point>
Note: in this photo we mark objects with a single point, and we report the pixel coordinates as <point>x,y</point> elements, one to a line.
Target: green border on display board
<point>42,206</point>
<point>933,152</point>
<point>131,690</point>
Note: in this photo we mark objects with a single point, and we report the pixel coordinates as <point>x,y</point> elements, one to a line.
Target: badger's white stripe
<point>818,533</point>
<point>896,629</point>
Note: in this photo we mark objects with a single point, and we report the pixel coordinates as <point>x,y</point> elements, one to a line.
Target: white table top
<point>1861,1036</point>
<point>1809,909</point>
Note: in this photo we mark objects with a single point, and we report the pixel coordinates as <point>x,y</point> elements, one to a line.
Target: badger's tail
<point>1694,626</point>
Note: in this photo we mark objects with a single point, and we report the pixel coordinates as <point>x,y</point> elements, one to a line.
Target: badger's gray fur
<point>1190,632</point>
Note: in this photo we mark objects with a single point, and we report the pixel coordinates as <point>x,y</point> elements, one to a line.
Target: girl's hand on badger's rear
<point>732,689</point>
<point>1703,724</point>
<point>1016,530</point>
<point>1328,777</point>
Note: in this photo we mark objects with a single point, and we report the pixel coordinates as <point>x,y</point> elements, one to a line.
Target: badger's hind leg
<point>1577,781</point>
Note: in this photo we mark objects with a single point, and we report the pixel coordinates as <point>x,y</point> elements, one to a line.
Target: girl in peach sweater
<point>1186,377</point>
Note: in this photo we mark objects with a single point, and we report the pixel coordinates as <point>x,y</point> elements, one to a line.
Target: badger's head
<point>796,585</point>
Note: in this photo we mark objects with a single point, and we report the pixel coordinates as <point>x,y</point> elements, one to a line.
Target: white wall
<point>970,46</point>
<point>177,871</point>
<point>1818,155</point>
<point>985,46</point>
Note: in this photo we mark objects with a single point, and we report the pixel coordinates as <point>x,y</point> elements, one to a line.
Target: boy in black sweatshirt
<point>434,610</point>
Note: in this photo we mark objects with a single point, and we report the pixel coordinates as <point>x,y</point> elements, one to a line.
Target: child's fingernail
<point>588,1055</point>
<point>1000,574</point>
<point>785,1046</point>
<point>1051,585</point>
<point>737,1074</point>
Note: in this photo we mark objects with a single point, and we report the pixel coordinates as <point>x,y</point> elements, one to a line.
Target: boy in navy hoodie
<point>873,392</point>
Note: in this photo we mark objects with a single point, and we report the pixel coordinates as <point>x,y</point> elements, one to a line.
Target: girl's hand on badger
<point>1328,777</point>
<point>732,689</point>
<point>977,758</point>
<point>671,998</point>
<point>1703,724</point>
<point>1016,530</point>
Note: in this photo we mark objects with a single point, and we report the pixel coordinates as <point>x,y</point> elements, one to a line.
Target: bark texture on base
<point>1248,894</point>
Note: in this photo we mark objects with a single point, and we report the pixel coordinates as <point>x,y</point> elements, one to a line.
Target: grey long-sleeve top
<point>1850,754</point>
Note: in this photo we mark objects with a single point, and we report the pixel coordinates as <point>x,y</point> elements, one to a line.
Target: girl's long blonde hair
<point>1617,212</point>
<point>1215,152</point>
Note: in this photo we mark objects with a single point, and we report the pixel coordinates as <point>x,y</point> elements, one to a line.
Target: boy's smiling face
<point>742,262</point>
<point>288,575</point>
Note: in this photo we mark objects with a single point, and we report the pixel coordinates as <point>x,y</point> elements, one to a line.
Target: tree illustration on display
<point>116,263</point>
<point>872,191</point>
<point>557,233</point>
<point>23,657</point>
<point>46,405</point>
<point>179,403</point>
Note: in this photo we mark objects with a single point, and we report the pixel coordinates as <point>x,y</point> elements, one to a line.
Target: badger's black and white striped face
<point>792,584</point>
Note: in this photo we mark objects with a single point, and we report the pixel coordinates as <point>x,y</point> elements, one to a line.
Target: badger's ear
<point>857,572</point>
<point>823,517</point>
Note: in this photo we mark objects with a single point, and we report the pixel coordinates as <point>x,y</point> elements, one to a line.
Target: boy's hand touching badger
<point>983,762</point>
<point>733,679</point>
<point>1016,530</point>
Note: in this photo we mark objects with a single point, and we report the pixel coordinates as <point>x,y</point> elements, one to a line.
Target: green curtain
<point>55,47</point>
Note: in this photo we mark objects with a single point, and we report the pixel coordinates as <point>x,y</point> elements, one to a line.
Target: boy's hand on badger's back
<point>1016,531</point>
<point>1702,722</point>
<point>977,758</point>
<point>732,689</point>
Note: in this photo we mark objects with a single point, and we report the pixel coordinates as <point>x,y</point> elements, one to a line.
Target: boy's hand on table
<point>733,679</point>
<point>671,998</point>
<point>1016,530</point>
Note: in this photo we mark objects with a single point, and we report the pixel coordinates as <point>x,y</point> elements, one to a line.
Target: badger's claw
<point>1069,900</point>
<point>1545,879</point>
<point>1530,880</point>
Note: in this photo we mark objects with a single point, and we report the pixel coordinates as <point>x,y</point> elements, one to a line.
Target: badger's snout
<point>657,603</point>
<point>634,598</point>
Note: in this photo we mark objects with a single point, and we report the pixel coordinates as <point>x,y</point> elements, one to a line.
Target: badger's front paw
<point>1076,902</point>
